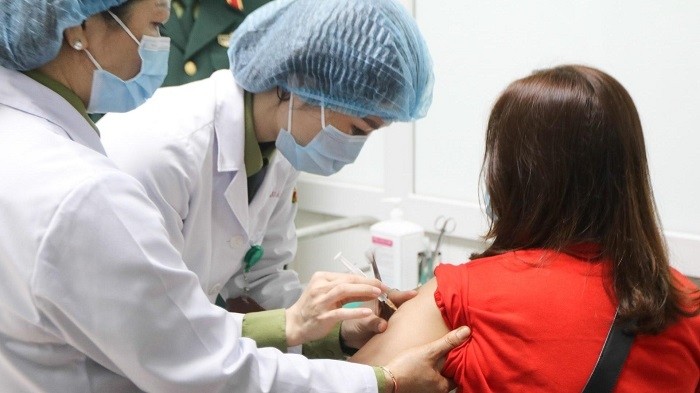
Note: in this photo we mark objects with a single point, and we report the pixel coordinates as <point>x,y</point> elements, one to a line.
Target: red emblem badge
<point>236,4</point>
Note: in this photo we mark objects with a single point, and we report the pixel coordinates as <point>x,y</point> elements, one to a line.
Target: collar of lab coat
<point>229,123</point>
<point>229,126</point>
<point>21,92</point>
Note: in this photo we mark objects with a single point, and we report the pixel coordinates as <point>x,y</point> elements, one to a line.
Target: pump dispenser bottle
<point>396,244</point>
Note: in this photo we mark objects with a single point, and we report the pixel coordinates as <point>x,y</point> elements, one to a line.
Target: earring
<point>78,45</point>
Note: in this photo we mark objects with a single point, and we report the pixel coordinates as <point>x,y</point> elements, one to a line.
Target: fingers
<point>346,293</point>
<point>400,297</point>
<point>448,342</point>
<point>380,326</point>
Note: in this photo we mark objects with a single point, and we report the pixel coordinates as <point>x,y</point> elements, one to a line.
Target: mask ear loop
<point>116,18</point>
<point>92,59</point>
<point>289,113</point>
<point>323,116</point>
<point>126,29</point>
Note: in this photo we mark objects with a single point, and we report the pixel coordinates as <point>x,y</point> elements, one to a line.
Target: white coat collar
<point>22,93</point>
<point>229,126</point>
<point>229,123</point>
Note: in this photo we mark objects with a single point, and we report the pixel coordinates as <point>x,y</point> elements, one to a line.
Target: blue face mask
<point>113,94</point>
<point>329,151</point>
<point>489,210</point>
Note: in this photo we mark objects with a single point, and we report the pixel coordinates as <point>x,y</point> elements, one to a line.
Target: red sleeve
<point>452,300</point>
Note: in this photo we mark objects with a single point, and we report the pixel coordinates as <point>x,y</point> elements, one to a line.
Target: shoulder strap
<point>612,357</point>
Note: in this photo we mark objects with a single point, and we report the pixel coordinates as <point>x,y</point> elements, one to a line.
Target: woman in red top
<point>575,236</point>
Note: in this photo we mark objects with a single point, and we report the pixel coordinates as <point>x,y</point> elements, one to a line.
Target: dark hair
<point>565,164</point>
<point>122,11</point>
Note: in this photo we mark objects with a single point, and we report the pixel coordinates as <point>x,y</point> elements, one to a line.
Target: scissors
<point>443,225</point>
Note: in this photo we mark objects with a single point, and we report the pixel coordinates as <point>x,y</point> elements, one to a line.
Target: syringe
<point>356,270</point>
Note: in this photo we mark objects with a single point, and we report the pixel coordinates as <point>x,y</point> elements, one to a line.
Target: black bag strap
<point>612,357</point>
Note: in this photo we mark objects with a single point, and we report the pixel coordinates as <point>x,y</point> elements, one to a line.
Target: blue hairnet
<point>360,57</point>
<point>31,31</point>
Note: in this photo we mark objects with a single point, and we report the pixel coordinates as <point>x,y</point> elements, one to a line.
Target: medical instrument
<point>356,270</point>
<point>373,263</point>
<point>386,309</point>
<point>444,225</point>
<point>426,265</point>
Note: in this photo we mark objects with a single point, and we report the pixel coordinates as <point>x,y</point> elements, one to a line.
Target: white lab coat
<point>185,145</point>
<point>93,297</point>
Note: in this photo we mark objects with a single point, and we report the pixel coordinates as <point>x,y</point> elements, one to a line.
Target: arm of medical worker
<point>109,284</point>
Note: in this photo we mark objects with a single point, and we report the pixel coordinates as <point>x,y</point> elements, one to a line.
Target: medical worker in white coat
<point>220,157</point>
<point>93,297</point>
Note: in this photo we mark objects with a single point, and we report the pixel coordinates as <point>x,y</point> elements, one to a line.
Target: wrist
<point>392,385</point>
<point>347,350</point>
<point>292,328</point>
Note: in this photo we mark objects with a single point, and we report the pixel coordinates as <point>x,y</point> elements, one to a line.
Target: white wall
<point>652,47</point>
<point>317,253</point>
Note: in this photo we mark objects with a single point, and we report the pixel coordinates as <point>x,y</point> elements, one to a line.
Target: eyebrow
<point>372,123</point>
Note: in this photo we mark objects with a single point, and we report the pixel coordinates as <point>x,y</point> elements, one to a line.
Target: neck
<point>63,69</point>
<point>269,115</point>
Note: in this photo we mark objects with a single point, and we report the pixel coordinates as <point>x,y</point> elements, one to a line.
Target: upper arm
<point>417,322</point>
<point>162,164</point>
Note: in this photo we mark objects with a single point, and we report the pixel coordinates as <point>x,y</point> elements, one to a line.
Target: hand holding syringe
<point>355,270</point>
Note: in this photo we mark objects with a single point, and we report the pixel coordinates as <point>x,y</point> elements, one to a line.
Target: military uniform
<point>199,45</point>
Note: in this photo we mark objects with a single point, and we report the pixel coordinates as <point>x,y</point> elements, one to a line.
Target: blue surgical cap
<point>31,31</point>
<point>360,57</point>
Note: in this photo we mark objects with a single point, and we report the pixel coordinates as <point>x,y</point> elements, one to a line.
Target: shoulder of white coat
<point>172,112</point>
<point>281,165</point>
<point>172,131</point>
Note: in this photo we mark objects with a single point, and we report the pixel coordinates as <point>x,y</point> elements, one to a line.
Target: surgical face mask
<point>329,151</point>
<point>113,94</point>
<point>489,210</point>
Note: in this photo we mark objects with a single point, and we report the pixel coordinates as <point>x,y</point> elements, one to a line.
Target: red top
<point>538,323</point>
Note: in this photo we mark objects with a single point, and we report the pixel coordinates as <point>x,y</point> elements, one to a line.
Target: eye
<point>357,131</point>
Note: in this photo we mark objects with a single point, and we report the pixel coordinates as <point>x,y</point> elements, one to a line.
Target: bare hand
<point>418,369</point>
<point>400,297</point>
<point>357,332</point>
<point>320,306</point>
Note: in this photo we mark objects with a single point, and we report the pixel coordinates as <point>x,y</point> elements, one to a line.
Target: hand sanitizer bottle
<point>396,244</point>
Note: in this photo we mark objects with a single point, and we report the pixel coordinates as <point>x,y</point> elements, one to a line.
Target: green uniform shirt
<point>267,328</point>
<point>64,92</point>
<point>255,154</point>
<point>196,54</point>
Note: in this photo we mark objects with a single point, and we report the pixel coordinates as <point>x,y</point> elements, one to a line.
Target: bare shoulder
<point>417,322</point>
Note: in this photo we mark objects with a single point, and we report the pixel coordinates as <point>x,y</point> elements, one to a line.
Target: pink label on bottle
<point>381,241</point>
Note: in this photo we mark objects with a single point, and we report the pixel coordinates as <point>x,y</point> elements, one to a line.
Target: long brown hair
<point>565,164</point>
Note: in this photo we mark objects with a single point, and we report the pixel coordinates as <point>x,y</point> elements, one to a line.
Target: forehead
<point>374,122</point>
<point>146,5</point>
